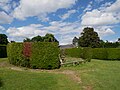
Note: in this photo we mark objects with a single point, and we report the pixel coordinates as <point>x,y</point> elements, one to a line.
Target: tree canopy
<point>47,38</point>
<point>89,38</point>
<point>3,39</point>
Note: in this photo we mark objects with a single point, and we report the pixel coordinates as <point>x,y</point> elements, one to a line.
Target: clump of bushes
<point>43,55</point>
<point>3,51</point>
<point>106,53</point>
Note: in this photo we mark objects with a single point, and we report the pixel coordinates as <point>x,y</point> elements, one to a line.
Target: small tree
<point>3,39</point>
<point>89,38</point>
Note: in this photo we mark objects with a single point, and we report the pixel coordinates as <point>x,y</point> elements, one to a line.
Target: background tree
<point>75,41</point>
<point>89,38</point>
<point>49,38</point>
<point>46,38</point>
<point>27,40</point>
<point>3,39</point>
<point>37,39</point>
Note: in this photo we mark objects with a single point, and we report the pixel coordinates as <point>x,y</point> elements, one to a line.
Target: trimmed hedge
<point>3,51</point>
<point>43,55</point>
<point>73,52</point>
<point>106,53</point>
<point>15,56</point>
<point>94,53</point>
<point>84,53</point>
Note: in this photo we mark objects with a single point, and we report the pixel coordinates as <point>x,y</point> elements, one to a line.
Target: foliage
<point>106,53</point>
<point>3,51</point>
<point>3,39</point>
<point>73,52</point>
<point>47,38</point>
<point>15,54</point>
<point>84,53</point>
<point>34,55</point>
<point>1,82</point>
<point>89,38</point>
<point>45,56</point>
<point>27,49</point>
<point>99,53</point>
<point>27,40</point>
<point>37,39</point>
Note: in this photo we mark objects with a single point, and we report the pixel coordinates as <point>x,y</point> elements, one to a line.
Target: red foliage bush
<point>27,49</point>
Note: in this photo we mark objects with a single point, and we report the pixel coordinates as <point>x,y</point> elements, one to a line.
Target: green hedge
<point>14,52</point>
<point>84,53</point>
<point>43,55</point>
<point>3,51</point>
<point>106,53</point>
<point>95,53</point>
<point>73,52</point>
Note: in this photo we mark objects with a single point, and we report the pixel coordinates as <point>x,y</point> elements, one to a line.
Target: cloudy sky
<point>63,18</point>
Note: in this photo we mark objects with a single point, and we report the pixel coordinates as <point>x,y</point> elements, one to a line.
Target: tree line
<point>88,38</point>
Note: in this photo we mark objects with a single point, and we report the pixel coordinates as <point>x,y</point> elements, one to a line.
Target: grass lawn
<point>96,75</point>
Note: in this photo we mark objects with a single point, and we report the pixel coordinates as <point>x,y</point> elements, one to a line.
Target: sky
<point>20,19</point>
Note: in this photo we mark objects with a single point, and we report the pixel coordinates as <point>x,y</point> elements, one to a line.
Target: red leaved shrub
<point>27,49</point>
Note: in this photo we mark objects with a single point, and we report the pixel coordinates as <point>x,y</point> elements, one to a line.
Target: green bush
<point>42,55</point>
<point>106,53</point>
<point>73,52</point>
<point>114,53</point>
<point>14,52</point>
<point>3,51</point>
<point>99,53</point>
<point>84,53</point>
<point>45,56</point>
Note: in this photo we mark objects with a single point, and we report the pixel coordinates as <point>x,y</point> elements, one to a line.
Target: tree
<point>50,38</point>
<point>3,39</point>
<point>27,40</point>
<point>37,39</point>
<point>75,41</point>
<point>89,38</point>
<point>46,38</point>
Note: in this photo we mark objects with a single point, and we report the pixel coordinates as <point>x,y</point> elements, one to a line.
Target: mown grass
<point>26,80</point>
<point>95,75</point>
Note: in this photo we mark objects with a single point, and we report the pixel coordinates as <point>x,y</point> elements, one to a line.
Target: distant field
<point>96,75</point>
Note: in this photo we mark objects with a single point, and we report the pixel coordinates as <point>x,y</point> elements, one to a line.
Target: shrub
<point>84,53</point>
<point>99,53</point>
<point>34,55</point>
<point>45,56</point>
<point>14,52</point>
<point>106,53</point>
<point>114,53</point>
<point>73,52</point>
<point>3,52</point>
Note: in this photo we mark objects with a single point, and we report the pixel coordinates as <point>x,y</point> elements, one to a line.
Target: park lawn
<point>95,75</point>
<point>26,80</point>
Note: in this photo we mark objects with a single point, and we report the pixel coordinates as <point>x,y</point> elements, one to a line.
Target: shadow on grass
<point>1,83</point>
